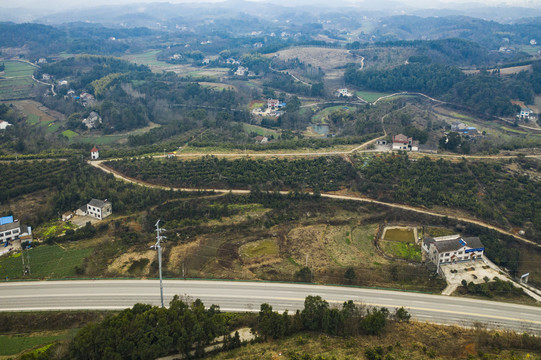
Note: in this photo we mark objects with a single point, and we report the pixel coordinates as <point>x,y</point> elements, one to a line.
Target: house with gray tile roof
<point>13,230</point>
<point>452,249</point>
<point>99,209</point>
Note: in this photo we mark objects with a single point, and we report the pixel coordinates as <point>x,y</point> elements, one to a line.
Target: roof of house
<point>455,243</point>
<point>400,138</point>
<point>97,203</point>
<point>10,226</point>
<point>94,149</point>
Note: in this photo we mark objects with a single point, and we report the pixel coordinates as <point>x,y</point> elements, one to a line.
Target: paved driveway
<point>471,271</point>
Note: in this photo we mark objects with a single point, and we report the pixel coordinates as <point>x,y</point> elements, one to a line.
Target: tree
<point>304,274</point>
<point>350,274</point>
<point>293,104</point>
<point>313,313</point>
<point>402,314</point>
<point>375,321</point>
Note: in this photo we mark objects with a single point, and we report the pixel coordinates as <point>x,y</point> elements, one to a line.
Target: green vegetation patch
<point>146,58</point>
<point>53,127</point>
<point>32,119</point>
<point>402,250</point>
<point>256,105</point>
<point>514,131</point>
<point>259,130</point>
<point>402,234</point>
<point>100,139</point>
<point>11,345</point>
<point>267,247</point>
<point>15,88</point>
<point>370,96</point>
<point>321,117</point>
<point>46,261</point>
<point>69,134</point>
<point>17,68</point>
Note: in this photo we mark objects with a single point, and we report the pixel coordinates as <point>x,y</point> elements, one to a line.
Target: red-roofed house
<point>94,153</point>
<point>402,142</point>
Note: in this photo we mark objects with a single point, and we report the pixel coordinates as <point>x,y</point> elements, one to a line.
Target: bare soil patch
<point>124,263</point>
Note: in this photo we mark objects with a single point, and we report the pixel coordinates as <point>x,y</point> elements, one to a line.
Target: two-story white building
<point>452,249</point>
<point>13,230</point>
<point>99,209</point>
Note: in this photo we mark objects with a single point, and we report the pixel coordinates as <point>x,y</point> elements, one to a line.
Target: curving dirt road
<point>99,164</point>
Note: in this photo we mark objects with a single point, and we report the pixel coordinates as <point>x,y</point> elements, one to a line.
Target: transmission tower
<point>158,247</point>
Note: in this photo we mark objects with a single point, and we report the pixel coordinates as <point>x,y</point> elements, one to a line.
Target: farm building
<point>452,249</point>
<point>13,230</point>
<point>99,209</point>
<point>94,153</point>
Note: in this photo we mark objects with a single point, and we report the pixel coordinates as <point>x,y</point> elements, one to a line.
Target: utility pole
<point>25,256</point>
<point>158,247</point>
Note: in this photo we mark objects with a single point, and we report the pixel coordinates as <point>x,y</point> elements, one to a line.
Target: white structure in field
<point>99,209</point>
<point>4,124</point>
<point>94,153</point>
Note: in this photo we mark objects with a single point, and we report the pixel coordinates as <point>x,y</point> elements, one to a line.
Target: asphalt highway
<point>247,296</point>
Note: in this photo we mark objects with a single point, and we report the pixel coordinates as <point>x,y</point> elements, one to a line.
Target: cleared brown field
<point>504,71</point>
<point>325,58</point>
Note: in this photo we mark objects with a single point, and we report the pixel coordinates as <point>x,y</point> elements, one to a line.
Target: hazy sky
<point>65,4</point>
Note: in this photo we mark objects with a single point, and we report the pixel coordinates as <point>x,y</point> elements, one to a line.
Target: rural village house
<point>402,142</point>
<point>94,153</point>
<point>452,249</point>
<point>261,139</point>
<point>99,209</point>
<point>13,230</point>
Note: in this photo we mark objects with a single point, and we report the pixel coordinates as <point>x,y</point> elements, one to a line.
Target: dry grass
<point>413,341</point>
<point>325,58</point>
<point>122,266</point>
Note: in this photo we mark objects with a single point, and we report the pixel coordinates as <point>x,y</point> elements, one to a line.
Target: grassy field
<point>405,235</point>
<point>11,345</point>
<point>321,117</point>
<point>70,134</point>
<point>46,261</point>
<point>259,130</point>
<point>18,68</point>
<point>217,86</point>
<point>99,139</point>
<point>370,96</point>
<point>402,250</point>
<point>260,248</point>
<point>256,105</point>
<point>53,127</point>
<point>32,119</point>
<point>147,58</point>
<point>16,81</point>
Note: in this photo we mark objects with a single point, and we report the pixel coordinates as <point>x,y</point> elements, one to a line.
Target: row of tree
<point>325,173</point>
<point>146,332</point>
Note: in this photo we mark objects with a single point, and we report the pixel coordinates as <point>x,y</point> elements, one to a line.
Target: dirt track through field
<point>103,167</point>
